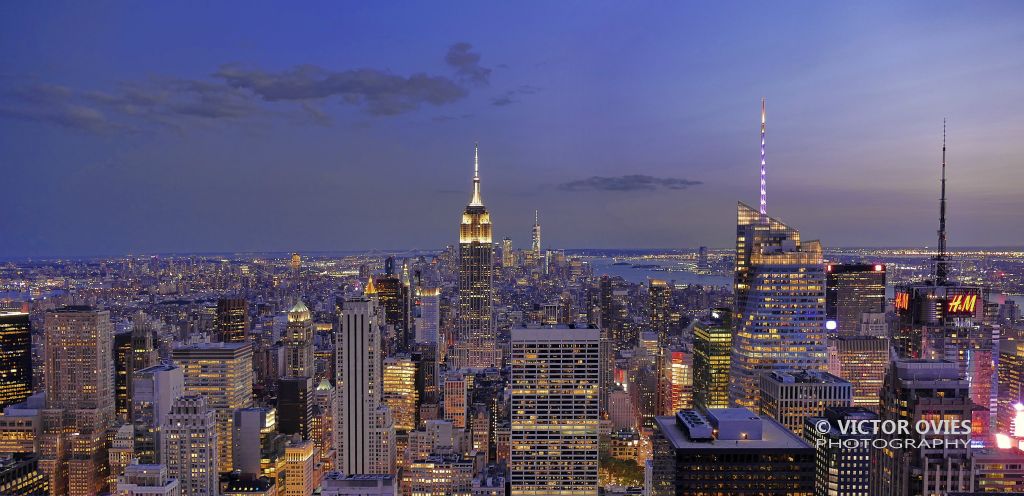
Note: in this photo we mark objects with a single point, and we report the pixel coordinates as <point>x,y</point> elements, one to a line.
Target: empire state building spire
<point>476,201</point>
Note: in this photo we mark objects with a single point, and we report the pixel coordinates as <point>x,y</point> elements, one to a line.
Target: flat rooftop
<point>773,435</point>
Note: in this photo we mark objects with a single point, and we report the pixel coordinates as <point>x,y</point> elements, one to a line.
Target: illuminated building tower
<point>79,399</point>
<point>535,246</point>
<point>613,302</point>
<point>659,308</point>
<point>712,353</point>
<point>364,432</point>
<point>323,423</point>
<point>726,451</point>
<point>400,391</point>
<point>428,316</point>
<point>295,406</point>
<point>295,262</point>
<point>862,360</point>
<point>780,304</point>
<point>222,374</point>
<point>122,374</point>
<point>147,480</point>
<point>155,389</point>
<point>1011,386</point>
<point>15,358</point>
<point>703,267</point>
<point>852,290</point>
<point>232,320</point>
<point>190,446</point>
<point>790,397</point>
<point>475,343</point>
<point>456,397</point>
<point>508,256</point>
<point>299,469</point>
<point>120,452</point>
<point>299,359</point>
<point>394,299</point>
<point>916,390</point>
<point>840,469</point>
<point>554,438</point>
<point>675,382</point>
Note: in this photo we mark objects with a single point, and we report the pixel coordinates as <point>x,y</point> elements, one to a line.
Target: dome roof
<point>298,312</point>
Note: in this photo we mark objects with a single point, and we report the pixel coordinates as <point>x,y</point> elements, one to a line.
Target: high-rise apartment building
<point>780,304</point>
<point>232,320</point>
<point>554,438</point>
<point>222,374</point>
<point>364,432</point>
<point>852,290</point>
<point>475,336</point>
<point>15,358</point>
<point>789,397</point>
<point>189,446</point>
<point>712,354</point>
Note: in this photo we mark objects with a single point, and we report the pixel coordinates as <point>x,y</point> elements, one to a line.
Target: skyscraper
<point>791,397</point>
<point>712,353</point>
<point>475,344</point>
<point>508,256</point>
<point>535,245</point>
<point>189,446</point>
<point>659,308</point>
<point>364,432</point>
<point>295,406</point>
<point>232,320</point>
<point>79,399</point>
<point>155,389</point>
<point>222,374</point>
<point>394,299</point>
<point>299,359</point>
<point>15,358</point>
<point>842,467</point>
<point>554,435</point>
<point>400,391</point>
<point>780,303</point>
<point>852,290</point>
<point>862,360</point>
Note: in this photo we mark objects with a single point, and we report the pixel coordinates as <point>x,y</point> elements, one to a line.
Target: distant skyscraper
<point>155,389</point>
<point>675,382</point>
<point>554,435</point>
<point>780,303</point>
<point>475,343</point>
<point>712,354</point>
<point>428,318</point>
<point>862,360</point>
<point>15,358</point>
<point>79,399</point>
<point>232,320</point>
<point>299,359</point>
<point>928,390</point>
<point>659,308</point>
<point>190,446</point>
<point>726,451</point>
<point>222,374</point>
<point>852,290</point>
<point>364,431</point>
<point>400,391</point>
<point>394,299</point>
<point>508,256</point>
<point>703,267</point>
<point>536,246</point>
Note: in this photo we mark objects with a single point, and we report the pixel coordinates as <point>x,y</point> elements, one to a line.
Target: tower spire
<point>764,191</point>
<point>476,201</point>
<point>941,275</point>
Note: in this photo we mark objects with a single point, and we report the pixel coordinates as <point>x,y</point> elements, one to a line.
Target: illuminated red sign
<point>902,301</point>
<point>961,304</point>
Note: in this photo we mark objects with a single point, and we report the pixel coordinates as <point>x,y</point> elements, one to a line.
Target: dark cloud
<point>67,115</point>
<point>467,63</point>
<point>632,182</point>
<point>512,96</point>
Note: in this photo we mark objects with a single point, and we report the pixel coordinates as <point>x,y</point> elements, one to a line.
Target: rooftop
<point>727,427</point>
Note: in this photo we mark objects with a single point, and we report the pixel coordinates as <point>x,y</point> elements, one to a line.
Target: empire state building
<point>475,344</point>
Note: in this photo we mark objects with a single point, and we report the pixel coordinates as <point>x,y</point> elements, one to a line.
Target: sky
<point>145,127</point>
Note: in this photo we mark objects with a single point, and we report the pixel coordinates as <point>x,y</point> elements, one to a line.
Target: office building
<point>222,374</point>
<point>726,451</point>
<point>675,380</point>
<point>1011,385</point>
<point>155,389</point>
<point>232,320</point>
<point>917,390</point>
<point>456,398</point>
<point>20,476</point>
<point>475,344</point>
<point>508,255</point>
<point>15,358</point>
<point>189,447</point>
<point>295,406</point>
<point>852,290</point>
<point>364,432</point>
<point>395,302</point>
<point>789,397</point>
<point>147,480</point>
<point>400,393</point>
<point>842,463</point>
<point>780,304</point>
<point>300,478</point>
<point>554,438</point>
<point>712,354</point>
<point>861,360</point>
<point>439,475</point>
<point>659,308</point>
<point>299,358</point>
<point>252,428</point>
<point>339,484</point>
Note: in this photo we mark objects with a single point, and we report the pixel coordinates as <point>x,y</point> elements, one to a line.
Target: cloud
<point>381,93</point>
<point>631,182</point>
<point>53,104</point>
<point>511,96</point>
<point>467,64</point>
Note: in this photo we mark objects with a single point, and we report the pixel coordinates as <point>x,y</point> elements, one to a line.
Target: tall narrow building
<point>554,438</point>
<point>851,291</point>
<point>475,343</point>
<point>189,446</point>
<point>15,358</point>
<point>364,430</point>
<point>232,320</point>
<point>712,354</point>
<point>659,308</point>
<point>299,343</point>
<point>535,246</point>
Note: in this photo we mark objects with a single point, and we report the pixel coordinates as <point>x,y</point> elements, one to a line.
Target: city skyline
<point>270,140</point>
